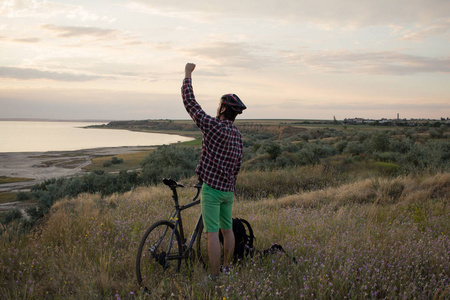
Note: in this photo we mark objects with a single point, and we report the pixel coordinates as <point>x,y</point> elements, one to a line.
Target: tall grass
<point>370,238</point>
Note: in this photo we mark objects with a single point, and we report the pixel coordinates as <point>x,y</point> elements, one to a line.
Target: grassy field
<point>131,161</point>
<point>362,212</point>
<point>9,197</point>
<point>4,179</point>
<point>368,238</point>
<point>6,197</point>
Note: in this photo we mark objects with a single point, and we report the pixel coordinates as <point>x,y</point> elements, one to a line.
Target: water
<point>21,136</point>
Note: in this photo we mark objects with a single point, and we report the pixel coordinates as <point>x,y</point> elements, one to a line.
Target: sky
<point>286,59</point>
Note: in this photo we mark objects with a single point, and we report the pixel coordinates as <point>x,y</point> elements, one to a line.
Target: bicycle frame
<point>178,223</point>
<point>153,246</point>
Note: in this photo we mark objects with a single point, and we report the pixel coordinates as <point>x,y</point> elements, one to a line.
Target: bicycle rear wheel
<point>201,248</point>
<point>159,254</point>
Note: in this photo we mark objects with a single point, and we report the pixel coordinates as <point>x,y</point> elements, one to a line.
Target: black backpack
<point>244,242</point>
<point>243,246</point>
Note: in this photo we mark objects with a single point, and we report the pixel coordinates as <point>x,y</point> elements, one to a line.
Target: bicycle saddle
<point>171,182</point>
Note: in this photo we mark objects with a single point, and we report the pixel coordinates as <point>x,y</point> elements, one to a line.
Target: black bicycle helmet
<point>233,102</point>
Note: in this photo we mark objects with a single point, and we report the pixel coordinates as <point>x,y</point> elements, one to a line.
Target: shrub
<point>23,196</point>
<point>354,148</point>
<point>116,161</point>
<point>273,150</point>
<point>9,216</point>
<point>378,143</point>
<point>340,146</point>
<point>402,146</point>
<point>433,156</point>
<point>169,161</point>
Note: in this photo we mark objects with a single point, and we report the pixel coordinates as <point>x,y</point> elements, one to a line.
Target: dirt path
<point>41,166</point>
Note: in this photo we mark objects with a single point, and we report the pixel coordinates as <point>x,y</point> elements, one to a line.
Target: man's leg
<point>228,246</point>
<point>214,252</point>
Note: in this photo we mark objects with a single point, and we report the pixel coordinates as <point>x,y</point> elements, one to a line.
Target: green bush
<point>433,156</point>
<point>23,196</point>
<point>354,148</point>
<point>171,161</point>
<point>116,161</point>
<point>273,150</point>
<point>9,216</point>
<point>341,145</point>
<point>401,146</point>
<point>378,143</point>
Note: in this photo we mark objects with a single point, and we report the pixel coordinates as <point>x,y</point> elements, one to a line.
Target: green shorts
<point>216,209</point>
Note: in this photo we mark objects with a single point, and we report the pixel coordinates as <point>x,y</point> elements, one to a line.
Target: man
<point>218,167</point>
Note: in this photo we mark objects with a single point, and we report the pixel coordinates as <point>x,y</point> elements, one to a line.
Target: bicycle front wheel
<point>159,254</point>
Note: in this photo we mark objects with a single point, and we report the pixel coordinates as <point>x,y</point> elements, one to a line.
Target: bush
<point>116,161</point>
<point>171,161</point>
<point>9,216</point>
<point>23,196</point>
<point>273,150</point>
<point>402,146</point>
<point>354,148</point>
<point>378,143</point>
<point>341,145</point>
<point>432,156</point>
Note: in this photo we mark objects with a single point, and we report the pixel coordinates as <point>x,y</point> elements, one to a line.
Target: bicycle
<point>163,247</point>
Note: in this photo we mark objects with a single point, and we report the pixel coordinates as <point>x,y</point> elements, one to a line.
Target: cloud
<point>71,31</point>
<point>229,54</point>
<point>29,74</point>
<point>27,40</point>
<point>89,104</point>
<point>46,9</point>
<point>371,62</point>
<point>95,36</point>
<point>438,27</point>
<point>330,13</point>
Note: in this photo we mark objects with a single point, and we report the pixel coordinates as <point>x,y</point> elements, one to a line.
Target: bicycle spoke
<point>159,255</point>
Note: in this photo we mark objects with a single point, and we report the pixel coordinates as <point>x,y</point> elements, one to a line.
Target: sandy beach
<point>41,166</point>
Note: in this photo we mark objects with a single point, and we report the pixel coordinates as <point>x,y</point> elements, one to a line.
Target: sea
<point>32,136</point>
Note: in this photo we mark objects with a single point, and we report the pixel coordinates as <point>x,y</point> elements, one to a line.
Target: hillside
<point>369,238</point>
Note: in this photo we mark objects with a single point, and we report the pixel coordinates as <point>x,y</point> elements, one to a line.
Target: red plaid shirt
<point>221,157</point>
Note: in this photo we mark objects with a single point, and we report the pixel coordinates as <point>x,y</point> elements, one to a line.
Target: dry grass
<point>371,191</point>
<point>131,161</point>
<point>371,238</point>
<point>4,179</point>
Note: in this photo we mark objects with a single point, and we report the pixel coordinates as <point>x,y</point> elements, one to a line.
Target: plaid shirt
<point>221,157</point>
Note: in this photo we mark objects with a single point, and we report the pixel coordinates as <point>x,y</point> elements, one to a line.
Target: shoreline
<point>41,166</point>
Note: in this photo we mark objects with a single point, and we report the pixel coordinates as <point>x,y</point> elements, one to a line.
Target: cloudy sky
<point>300,59</point>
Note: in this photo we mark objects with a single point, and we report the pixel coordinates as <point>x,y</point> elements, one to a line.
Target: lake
<point>20,136</point>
